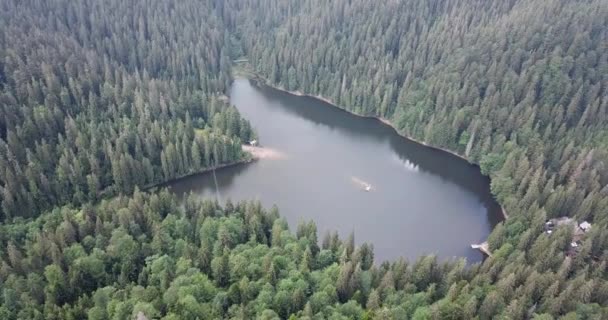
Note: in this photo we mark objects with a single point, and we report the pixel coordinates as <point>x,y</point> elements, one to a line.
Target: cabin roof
<point>585,225</point>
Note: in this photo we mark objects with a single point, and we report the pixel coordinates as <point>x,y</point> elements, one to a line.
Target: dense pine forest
<point>101,99</point>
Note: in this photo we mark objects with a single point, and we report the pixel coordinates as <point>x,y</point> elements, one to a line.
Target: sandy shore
<point>483,247</point>
<point>264,153</point>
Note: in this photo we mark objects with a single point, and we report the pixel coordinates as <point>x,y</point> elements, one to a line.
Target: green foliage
<point>124,271</point>
<point>82,116</point>
<point>529,109</point>
<point>92,107</point>
<point>491,163</point>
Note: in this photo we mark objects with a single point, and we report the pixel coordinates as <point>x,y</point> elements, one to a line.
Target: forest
<point>81,112</point>
<point>100,100</point>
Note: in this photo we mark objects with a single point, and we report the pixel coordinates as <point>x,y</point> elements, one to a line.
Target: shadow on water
<point>431,160</point>
<point>422,200</point>
<point>204,181</point>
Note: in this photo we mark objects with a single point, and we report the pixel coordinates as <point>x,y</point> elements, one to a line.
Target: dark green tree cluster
<point>99,97</point>
<point>148,254</point>
<point>103,97</point>
<point>523,94</point>
<point>519,87</point>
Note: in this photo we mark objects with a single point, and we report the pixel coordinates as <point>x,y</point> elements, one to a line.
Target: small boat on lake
<point>362,184</point>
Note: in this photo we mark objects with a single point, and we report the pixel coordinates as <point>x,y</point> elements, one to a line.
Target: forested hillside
<point>517,86</point>
<point>98,98</point>
<point>146,254</point>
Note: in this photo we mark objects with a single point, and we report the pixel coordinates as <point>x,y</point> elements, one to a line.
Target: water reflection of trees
<point>426,159</point>
<point>198,183</point>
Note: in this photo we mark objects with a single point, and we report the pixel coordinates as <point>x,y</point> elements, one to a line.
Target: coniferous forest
<point>102,99</point>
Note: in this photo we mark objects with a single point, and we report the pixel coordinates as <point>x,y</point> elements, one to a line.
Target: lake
<point>421,200</point>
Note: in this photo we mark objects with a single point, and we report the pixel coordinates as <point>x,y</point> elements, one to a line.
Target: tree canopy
<point>100,99</point>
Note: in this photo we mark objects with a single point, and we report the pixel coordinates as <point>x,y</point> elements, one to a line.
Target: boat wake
<point>361,184</point>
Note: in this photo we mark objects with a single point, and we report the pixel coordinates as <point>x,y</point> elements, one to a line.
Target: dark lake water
<point>422,200</point>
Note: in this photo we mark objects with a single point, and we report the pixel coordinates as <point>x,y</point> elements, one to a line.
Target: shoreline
<point>254,154</point>
<point>206,170</point>
<point>484,247</point>
<point>259,152</point>
<point>152,187</point>
<point>385,121</point>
